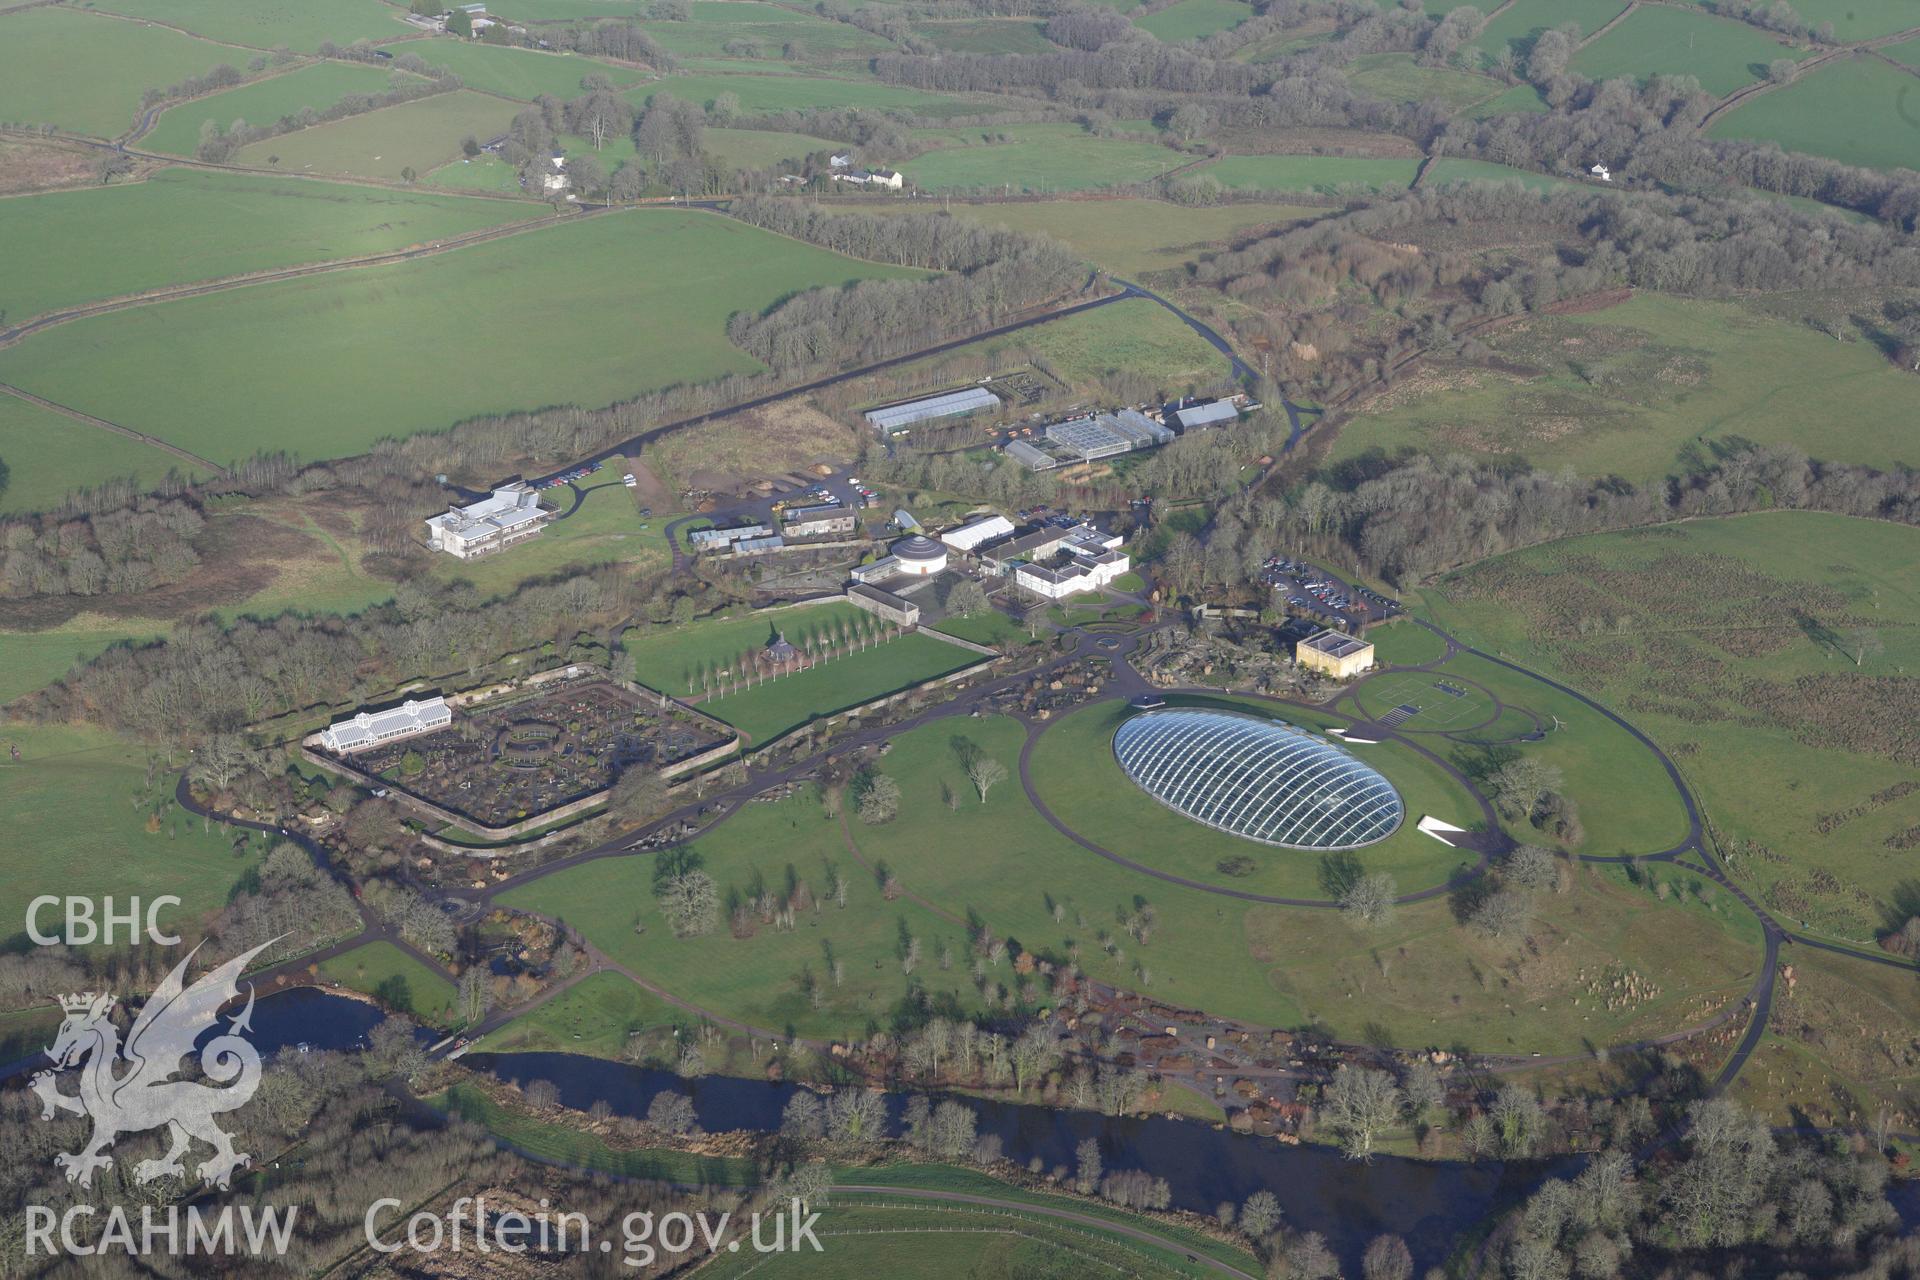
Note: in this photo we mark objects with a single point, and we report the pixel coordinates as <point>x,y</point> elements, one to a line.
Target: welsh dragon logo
<point>131,1088</point>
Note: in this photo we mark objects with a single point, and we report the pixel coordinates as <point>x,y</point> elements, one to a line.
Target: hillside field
<point>1195,19</point>
<point>517,73</point>
<point>1041,158</point>
<point>318,85</point>
<point>271,24</point>
<point>1635,389</point>
<point>184,225</point>
<point>47,455</point>
<point>1326,175</point>
<point>1659,40</point>
<point>593,310</point>
<point>1772,656</point>
<point>1822,113</point>
<point>386,143</point>
<point>40,48</point>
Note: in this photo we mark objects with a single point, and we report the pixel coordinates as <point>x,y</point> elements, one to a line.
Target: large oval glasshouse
<point>1258,778</point>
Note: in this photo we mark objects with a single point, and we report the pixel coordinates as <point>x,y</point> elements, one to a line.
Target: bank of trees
<point>146,544</point>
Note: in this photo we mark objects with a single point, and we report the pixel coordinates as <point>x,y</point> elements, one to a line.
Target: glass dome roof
<point>1258,778</point>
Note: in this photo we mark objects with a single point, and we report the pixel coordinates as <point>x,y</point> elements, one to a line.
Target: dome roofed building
<point>919,555</point>
<point>1257,778</point>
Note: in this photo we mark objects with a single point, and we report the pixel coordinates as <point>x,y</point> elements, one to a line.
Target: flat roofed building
<point>1085,570</point>
<point>1088,438</point>
<point>759,546</point>
<point>371,728</point>
<point>713,539</point>
<point>879,571</point>
<point>892,418</point>
<point>815,522</point>
<point>1139,428</point>
<point>901,612</point>
<point>512,514</point>
<point>975,533</point>
<point>1041,543</point>
<point>1211,414</point>
<point>1335,653</point>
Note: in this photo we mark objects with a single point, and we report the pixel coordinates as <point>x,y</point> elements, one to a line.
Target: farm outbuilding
<point>894,418</point>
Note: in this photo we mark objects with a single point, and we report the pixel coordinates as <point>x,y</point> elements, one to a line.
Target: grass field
<point>1042,158</point>
<point>1522,97</point>
<point>597,1016</point>
<point>78,811</point>
<point>1324,174</point>
<point>761,148</point>
<point>1521,23</point>
<point>987,35</point>
<point>272,24</point>
<point>46,455</point>
<point>183,225</point>
<point>1405,645</point>
<point>1137,336</point>
<point>991,627</point>
<point>768,710</point>
<point>384,970</point>
<point>812,37</point>
<point>1398,78</point>
<point>1853,19</point>
<point>592,311</point>
<point>1137,237</point>
<point>1444,703</point>
<point>518,73</point>
<point>34,659</point>
<point>39,49</point>
<point>1195,19</point>
<point>1658,40</point>
<point>1637,389</point>
<point>796,93</point>
<point>1820,113</point>
<point>318,85</point>
<point>415,135</point>
<point>1733,644</point>
<point>606,528</point>
<point>1422,980</point>
<point>1458,169</point>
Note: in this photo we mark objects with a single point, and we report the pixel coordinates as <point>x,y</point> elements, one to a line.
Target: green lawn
<point>1457,169</point>
<point>1327,175</point>
<point>1419,981</point>
<point>771,92</point>
<point>78,806</point>
<point>32,660</point>
<point>673,658</point>
<point>597,1016</point>
<point>415,135</point>
<point>1638,389</point>
<point>1195,19</point>
<point>183,225</point>
<point>991,627</point>
<point>318,85</point>
<point>1522,22</point>
<point>384,970</point>
<point>1822,114</point>
<point>1398,78</point>
<point>590,312</point>
<point>42,47</point>
<point>1041,158</point>
<point>272,24</point>
<point>768,710</point>
<point>1079,779</point>
<point>1404,644</point>
<point>1660,40</point>
<point>48,455</point>
<point>1731,642</point>
<point>1137,237</point>
<point>517,73</point>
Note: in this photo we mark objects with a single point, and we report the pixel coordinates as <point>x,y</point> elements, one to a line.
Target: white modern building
<point>1036,547</point>
<point>513,514</point>
<point>1080,568</point>
<point>372,728</point>
<point>975,533</point>
<point>919,557</point>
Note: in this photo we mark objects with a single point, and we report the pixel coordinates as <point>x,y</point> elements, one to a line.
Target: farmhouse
<point>513,514</point>
<point>371,728</point>
<point>885,604</point>
<point>975,533</point>
<point>894,418</point>
<point>820,521</point>
<point>1334,653</point>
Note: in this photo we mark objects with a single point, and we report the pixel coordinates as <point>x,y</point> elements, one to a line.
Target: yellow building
<point>1334,653</point>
